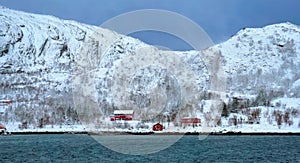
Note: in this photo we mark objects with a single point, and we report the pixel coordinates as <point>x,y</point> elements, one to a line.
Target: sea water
<point>83,148</point>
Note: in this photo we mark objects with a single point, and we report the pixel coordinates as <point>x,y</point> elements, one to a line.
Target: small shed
<point>157,127</point>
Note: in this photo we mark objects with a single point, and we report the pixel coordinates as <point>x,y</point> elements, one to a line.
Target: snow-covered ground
<point>267,124</point>
<point>244,128</point>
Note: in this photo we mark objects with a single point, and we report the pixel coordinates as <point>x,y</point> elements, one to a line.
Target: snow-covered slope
<point>37,59</point>
<point>46,62</point>
<point>262,67</point>
<point>264,58</point>
<point>50,66</point>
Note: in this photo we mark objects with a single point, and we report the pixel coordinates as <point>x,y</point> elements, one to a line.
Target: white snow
<point>287,102</point>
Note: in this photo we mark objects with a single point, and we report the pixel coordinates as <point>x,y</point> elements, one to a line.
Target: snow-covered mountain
<point>56,71</point>
<point>37,61</point>
<point>264,58</point>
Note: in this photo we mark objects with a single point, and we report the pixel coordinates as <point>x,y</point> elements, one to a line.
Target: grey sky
<point>219,18</point>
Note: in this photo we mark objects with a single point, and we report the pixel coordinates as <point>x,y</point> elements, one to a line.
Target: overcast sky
<point>219,18</point>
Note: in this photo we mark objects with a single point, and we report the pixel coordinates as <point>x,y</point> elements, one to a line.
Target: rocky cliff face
<point>50,66</point>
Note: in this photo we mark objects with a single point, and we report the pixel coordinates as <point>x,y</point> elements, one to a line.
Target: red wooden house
<point>187,121</point>
<point>2,127</point>
<point>126,115</point>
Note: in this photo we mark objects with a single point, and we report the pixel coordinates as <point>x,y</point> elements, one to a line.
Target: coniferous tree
<point>225,112</point>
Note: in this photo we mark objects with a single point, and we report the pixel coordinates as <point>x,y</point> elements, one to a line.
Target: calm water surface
<point>83,148</point>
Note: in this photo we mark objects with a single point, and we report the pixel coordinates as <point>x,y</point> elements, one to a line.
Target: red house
<point>126,115</point>
<point>157,127</point>
<point>2,127</point>
<point>190,121</point>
